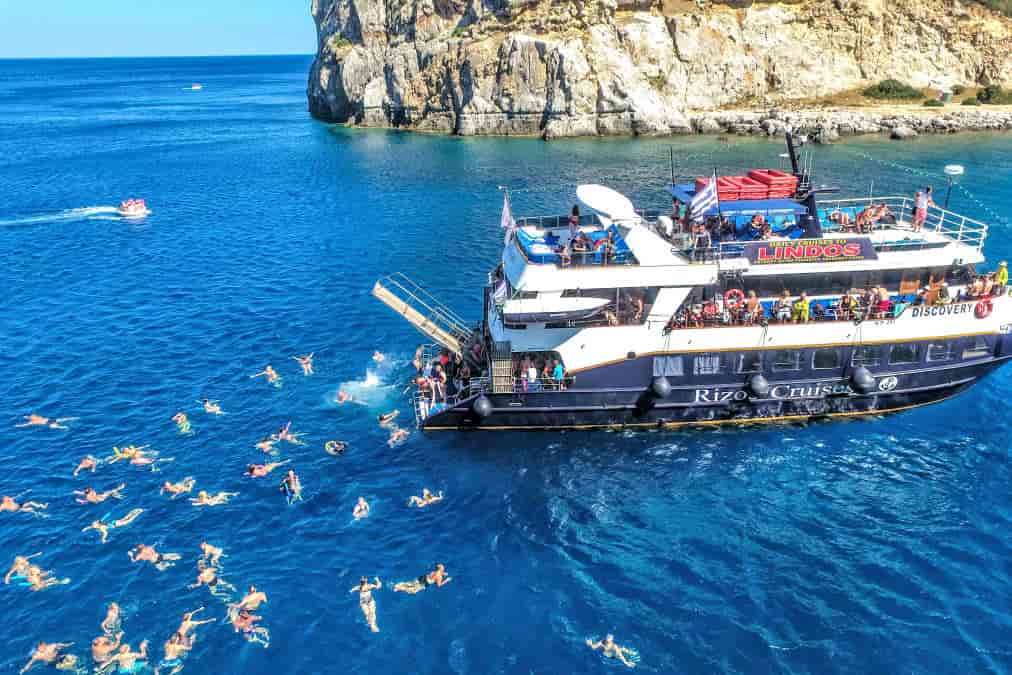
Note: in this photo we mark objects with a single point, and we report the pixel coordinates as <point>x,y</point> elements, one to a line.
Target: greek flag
<point>704,201</point>
<point>507,222</point>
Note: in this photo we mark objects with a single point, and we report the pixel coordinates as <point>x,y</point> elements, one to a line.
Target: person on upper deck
<point>559,374</point>
<point>753,310</point>
<point>700,241</point>
<point>574,222</point>
<point>922,200</point>
<point>944,298</point>
<point>800,313</point>
<point>608,249</point>
<point>1001,278</point>
<point>782,307</point>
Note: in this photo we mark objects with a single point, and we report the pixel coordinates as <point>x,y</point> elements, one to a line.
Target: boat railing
<point>430,316</point>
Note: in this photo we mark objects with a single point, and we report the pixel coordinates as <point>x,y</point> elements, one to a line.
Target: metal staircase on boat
<point>431,317</point>
<point>502,368</point>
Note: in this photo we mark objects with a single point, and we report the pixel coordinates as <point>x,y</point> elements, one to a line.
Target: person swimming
<point>145,553</point>
<point>20,567</point>
<point>91,496</point>
<point>398,436</point>
<point>188,623</point>
<point>174,648</point>
<point>103,647</point>
<point>129,661</point>
<point>175,489</point>
<point>267,445</point>
<point>210,554</point>
<point>306,362</point>
<point>127,452</point>
<point>89,463</point>
<point>212,407</point>
<point>183,423</point>
<point>426,498</point>
<point>45,652</point>
<point>10,504</point>
<point>34,420</point>
<point>261,470</point>
<point>244,622</point>
<point>387,418</point>
<point>271,375</point>
<point>612,650</point>
<point>150,459</point>
<point>103,527</point>
<point>205,499</point>
<point>335,447</point>
<point>285,433</point>
<point>251,601</point>
<point>39,579</point>
<point>68,662</point>
<point>343,396</point>
<point>111,623</point>
<point>367,602</point>
<point>361,509</point>
<point>292,487</point>
<point>437,577</point>
<point>378,357</point>
<point>208,576</point>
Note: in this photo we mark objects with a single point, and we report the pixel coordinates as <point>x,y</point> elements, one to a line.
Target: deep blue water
<point>873,546</point>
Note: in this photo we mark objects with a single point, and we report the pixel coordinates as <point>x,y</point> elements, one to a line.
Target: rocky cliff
<point>570,68</point>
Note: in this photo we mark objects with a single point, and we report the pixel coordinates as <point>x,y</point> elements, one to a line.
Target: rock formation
<point>572,68</point>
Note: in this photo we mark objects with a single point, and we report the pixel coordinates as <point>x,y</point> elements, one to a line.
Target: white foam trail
<point>66,216</point>
<point>373,390</point>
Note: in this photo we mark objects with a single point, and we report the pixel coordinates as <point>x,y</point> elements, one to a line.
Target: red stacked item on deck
<point>780,184</point>
<point>758,184</point>
<point>753,189</point>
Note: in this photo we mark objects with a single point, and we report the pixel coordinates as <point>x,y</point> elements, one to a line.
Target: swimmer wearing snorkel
<point>261,470</point>
<point>426,498</point>
<point>271,375</point>
<point>367,602</point>
<point>175,489</point>
<point>292,487</point>
<point>90,496</point>
<point>103,527</point>
<point>89,463</point>
<point>361,509</point>
<point>436,577</point>
<point>612,650</point>
<point>34,420</point>
<point>148,554</point>
<point>306,362</point>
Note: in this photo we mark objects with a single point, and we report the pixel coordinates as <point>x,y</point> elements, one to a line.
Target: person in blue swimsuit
<point>129,661</point>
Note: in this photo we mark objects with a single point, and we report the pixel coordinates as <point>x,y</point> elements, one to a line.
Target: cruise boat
<point>770,301</point>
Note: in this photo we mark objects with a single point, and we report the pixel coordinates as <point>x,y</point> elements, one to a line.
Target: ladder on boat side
<point>502,368</point>
<point>431,317</point>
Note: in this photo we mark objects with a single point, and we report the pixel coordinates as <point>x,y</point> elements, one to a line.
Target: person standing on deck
<point>1001,278</point>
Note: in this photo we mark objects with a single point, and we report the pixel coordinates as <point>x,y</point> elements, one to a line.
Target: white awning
<point>613,205</point>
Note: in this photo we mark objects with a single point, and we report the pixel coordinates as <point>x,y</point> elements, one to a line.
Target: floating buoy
<point>660,387</point>
<point>759,386</point>
<point>862,380</point>
<point>482,407</point>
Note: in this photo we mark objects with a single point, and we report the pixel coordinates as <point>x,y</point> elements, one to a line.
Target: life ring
<point>734,298</point>
<point>335,447</point>
<point>983,308</point>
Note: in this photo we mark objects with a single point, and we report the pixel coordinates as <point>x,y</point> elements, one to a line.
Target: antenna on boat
<point>671,163</point>
<point>952,172</point>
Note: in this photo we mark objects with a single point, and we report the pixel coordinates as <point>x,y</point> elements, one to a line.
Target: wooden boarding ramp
<point>431,317</point>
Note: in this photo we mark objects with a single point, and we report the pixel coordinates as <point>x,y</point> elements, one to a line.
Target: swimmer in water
<point>205,499</point>
<point>209,577</point>
<point>175,489</point>
<point>367,602</point>
<point>103,527</point>
<point>21,566</point>
<point>183,423</point>
<point>261,470</point>
<point>361,509</point>
<point>335,447</point>
<point>426,498</point>
<point>389,417</point>
<point>306,362</point>
<point>188,623</point>
<point>210,554</point>
<point>175,647</point>
<point>342,396</point>
<point>267,445</point>
<point>145,553</point>
<point>90,496</point>
<point>285,433</point>
<point>10,504</point>
<point>128,452</point>
<point>39,579</point>
<point>34,420</point>
<point>103,647</point>
<point>251,601</point>
<point>271,375</point>
<point>46,652</point>
<point>150,459</point>
<point>419,358</point>
<point>612,650</point>
<point>89,463</point>
<point>378,357</point>
<point>68,662</point>
<point>111,623</point>
<point>129,661</point>
<point>292,487</point>
<point>436,577</point>
<point>212,407</point>
<point>398,436</point>
<point>245,623</point>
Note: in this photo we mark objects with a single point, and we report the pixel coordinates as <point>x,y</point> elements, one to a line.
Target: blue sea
<point>874,546</point>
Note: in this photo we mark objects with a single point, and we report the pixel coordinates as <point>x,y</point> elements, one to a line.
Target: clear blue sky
<point>83,28</point>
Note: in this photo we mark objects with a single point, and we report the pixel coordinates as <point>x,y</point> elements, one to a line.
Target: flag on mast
<point>506,222</point>
<point>704,201</point>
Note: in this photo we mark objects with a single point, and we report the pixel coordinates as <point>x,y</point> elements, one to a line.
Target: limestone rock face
<point>583,67</point>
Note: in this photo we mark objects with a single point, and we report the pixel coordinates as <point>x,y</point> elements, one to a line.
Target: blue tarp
<point>742,207</point>
<point>622,252</point>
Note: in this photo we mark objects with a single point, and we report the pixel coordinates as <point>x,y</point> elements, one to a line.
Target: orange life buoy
<point>983,309</point>
<point>734,298</point>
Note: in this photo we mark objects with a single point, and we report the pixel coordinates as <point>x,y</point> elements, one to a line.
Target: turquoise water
<point>871,546</point>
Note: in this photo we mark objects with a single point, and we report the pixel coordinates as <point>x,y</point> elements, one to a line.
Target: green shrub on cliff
<point>995,95</point>
<point>934,103</point>
<point>971,101</point>
<point>892,90</point>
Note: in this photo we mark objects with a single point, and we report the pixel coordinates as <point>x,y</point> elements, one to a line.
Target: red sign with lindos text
<point>789,251</point>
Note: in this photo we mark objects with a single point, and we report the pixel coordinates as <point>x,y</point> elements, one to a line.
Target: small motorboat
<point>196,87</point>
<point>133,208</point>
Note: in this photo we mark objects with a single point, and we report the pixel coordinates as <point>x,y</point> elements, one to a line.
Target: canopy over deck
<point>742,207</point>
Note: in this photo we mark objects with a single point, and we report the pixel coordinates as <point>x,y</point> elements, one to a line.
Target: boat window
<point>668,366</point>
<point>901,354</point>
<point>866,356</point>
<point>826,359</point>
<point>785,360</point>
<point>527,295</point>
<point>515,326</point>
<point>706,364</point>
<point>571,293</point>
<point>750,362</point>
<point>940,351</point>
<point>976,348</point>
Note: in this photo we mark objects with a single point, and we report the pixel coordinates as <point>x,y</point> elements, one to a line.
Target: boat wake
<point>375,389</point>
<point>67,216</point>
